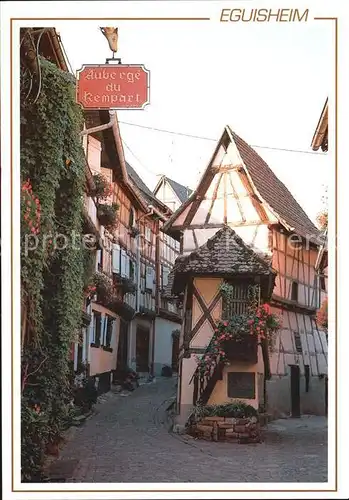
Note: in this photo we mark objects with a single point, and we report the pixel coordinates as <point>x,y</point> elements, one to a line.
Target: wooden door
<point>123,345</point>
<point>295,392</point>
<point>142,349</point>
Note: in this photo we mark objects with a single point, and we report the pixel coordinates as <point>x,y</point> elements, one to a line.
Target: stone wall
<point>236,430</point>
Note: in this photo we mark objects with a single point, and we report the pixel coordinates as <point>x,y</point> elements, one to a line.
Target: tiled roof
<point>143,188</point>
<point>181,191</point>
<point>273,191</point>
<point>138,182</point>
<point>224,254</point>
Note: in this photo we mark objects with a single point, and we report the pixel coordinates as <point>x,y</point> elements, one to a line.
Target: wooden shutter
<point>91,329</point>
<point>165,273</point>
<point>103,323</point>
<point>123,263</point>
<point>98,329</point>
<point>149,278</point>
<point>116,262</point>
<point>127,266</point>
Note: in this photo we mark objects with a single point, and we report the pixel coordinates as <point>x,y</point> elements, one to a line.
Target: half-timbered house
<point>136,256</point>
<point>171,193</point>
<point>320,138</point>
<point>239,190</point>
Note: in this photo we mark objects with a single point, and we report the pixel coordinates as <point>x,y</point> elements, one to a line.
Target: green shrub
<point>236,409</point>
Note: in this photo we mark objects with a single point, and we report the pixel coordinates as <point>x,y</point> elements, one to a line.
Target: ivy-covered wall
<point>52,259</point>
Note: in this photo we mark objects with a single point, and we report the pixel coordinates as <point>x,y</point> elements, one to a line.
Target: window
<point>307,377</point>
<point>132,270</point>
<point>100,260</point>
<point>109,331</point>
<point>97,328</point>
<point>298,342</point>
<point>149,279</point>
<point>323,283</point>
<point>237,303</point>
<point>132,218</point>
<point>147,233</point>
<point>294,291</point>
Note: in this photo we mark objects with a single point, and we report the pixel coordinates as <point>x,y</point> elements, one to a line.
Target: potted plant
<point>107,215</point>
<point>103,188</point>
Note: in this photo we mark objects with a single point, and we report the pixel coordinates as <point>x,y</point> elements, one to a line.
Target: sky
<point>269,82</point>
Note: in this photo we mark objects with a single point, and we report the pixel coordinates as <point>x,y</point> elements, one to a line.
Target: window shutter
<point>116,264</point>
<point>123,263</point>
<point>103,322</point>
<point>154,281</point>
<point>127,266</point>
<point>92,329</point>
<point>165,273</point>
<point>149,279</point>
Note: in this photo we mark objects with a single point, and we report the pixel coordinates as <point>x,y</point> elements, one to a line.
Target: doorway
<point>123,345</point>
<point>295,392</point>
<point>175,353</point>
<point>142,349</point>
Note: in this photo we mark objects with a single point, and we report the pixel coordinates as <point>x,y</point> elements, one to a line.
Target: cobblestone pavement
<point>128,441</point>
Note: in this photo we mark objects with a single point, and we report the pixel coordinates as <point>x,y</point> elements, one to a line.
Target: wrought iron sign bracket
<point>115,60</point>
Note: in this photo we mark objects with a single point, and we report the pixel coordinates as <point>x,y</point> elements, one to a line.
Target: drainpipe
<point>105,126</point>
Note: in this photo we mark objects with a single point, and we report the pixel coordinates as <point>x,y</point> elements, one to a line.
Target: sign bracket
<point>117,60</point>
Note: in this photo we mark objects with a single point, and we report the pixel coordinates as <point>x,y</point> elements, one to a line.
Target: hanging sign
<point>108,86</point>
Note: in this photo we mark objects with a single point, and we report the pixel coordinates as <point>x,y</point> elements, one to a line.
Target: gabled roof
<point>320,138</point>
<point>273,191</point>
<point>181,191</point>
<point>145,192</point>
<point>265,184</point>
<point>225,254</point>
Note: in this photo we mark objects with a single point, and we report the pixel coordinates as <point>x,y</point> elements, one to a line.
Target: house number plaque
<point>242,385</point>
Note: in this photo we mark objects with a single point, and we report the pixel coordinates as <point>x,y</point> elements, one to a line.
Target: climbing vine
<point>52,267</point>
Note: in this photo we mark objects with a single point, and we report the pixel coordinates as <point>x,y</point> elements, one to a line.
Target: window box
<point>242,349</point>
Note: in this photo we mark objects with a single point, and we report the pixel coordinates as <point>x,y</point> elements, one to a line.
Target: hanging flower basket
<point>30,209</point>
<point>107,215</point>
<point>104,287</point>
<point>103,188</point>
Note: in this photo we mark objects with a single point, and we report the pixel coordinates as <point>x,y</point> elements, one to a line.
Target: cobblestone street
<point>128,441</point>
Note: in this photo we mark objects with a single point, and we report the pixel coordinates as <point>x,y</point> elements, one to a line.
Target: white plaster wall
<point>163,343</point>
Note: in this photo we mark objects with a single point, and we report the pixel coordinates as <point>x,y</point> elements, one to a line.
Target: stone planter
<point>235,430</point>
